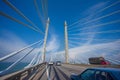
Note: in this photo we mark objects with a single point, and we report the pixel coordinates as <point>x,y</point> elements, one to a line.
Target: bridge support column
<point>66,43</point>
<point>45,39</point>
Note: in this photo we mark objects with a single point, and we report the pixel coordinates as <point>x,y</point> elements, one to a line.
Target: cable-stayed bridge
<point>39,68</point>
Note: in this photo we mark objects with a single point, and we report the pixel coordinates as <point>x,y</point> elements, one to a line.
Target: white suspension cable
<point>33,60</point>
<point>71,45</point>
<point>74,42</point>
<point>38,12</point>
<point>96,12</point>
<point>113,60</point>
<point>72,25</point>
<point>115,3</point>
<point>44,8</point>
<point>39,58</point>
<point>98,25</point>
<point>15,20</point>
<point>16,52</point>
<point>16,62</point>
<point>71,38</point>
<point>21,14</point>
<point>112,13</point>
<point>101,32</point>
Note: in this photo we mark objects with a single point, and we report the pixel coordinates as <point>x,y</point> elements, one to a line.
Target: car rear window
<point>88,75</point>
<point>101,75</point>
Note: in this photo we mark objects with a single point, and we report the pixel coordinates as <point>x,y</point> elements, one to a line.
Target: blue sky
<point>97,17</point>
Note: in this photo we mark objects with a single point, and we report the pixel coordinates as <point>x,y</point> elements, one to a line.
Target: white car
<point>50,63</point>
<point>58,63</point>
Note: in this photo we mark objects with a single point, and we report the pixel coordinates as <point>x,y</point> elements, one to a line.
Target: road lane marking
<point>47,73</point>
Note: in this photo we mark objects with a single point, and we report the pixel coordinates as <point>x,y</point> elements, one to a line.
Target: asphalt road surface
<point>53,72</point>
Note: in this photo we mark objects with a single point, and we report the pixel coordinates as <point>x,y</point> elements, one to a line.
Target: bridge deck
<point>53,72</point>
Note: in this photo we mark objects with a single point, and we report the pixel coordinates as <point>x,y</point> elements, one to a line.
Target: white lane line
<point>47,73</point>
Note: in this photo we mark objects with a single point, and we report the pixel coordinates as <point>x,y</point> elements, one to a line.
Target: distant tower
<point>66,43</point>
<point>45,40</point>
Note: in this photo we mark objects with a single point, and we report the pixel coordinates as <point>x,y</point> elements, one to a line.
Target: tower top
<point>48,20</point>
<point>65,23</point>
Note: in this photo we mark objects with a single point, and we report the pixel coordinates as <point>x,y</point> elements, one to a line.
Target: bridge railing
<point>26,73</point>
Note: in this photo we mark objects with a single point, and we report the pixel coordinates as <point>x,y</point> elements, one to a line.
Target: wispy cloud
<point>89,14</point>
<point>92,11</point>
<point>102,48</point>
<point>81,54</point>
<point>53,44</point>
<point>9,42</point>
<point>95,8</point>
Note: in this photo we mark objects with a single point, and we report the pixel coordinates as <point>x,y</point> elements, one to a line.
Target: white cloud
<point>96,8</point>
<point>53,44</point>
<point>81,54</point>
<point>90,14</point>
<point>9,42</point>
<point>102,48</point>
<point>93,10</point>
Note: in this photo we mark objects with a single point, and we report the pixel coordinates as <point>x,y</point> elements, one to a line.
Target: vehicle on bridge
<point>58,63</point>
<point>99,61</point>
<point>51,63</point>
<point>98,74</point>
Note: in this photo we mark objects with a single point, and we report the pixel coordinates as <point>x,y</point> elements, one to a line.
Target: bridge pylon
<point>45,40</point>
<point>66,43</point>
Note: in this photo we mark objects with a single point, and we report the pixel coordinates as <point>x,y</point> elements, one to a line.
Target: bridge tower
<point>45,40</point>
<point>66,43</point>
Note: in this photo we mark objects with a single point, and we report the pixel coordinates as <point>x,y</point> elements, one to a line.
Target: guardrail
<point>93,65</point>
<point>22,74</point>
